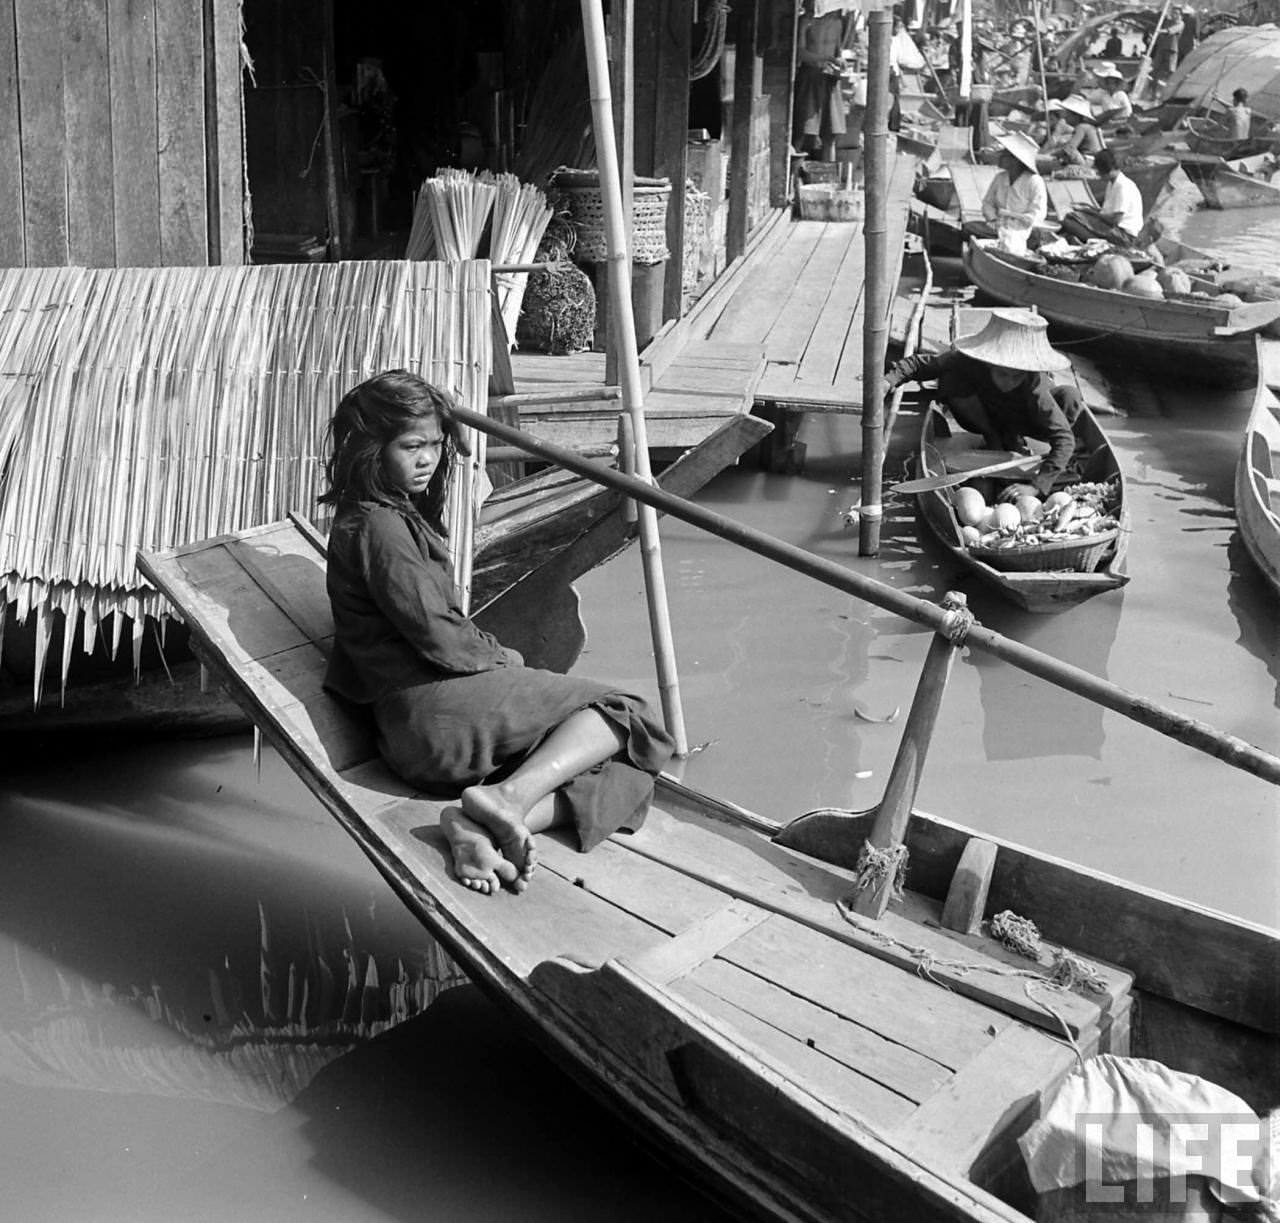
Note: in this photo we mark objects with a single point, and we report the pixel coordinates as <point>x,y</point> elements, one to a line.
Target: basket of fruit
<point>1070,531</point>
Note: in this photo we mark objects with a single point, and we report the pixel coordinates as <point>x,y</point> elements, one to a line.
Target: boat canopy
<point>1240,57</point>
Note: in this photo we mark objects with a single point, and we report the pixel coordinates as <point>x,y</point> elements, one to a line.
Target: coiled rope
<point>716,27</point>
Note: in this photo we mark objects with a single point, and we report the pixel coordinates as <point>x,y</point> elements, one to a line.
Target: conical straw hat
<point>1020,146</point>
<point>1077,105</point>
<point>1014,339</point>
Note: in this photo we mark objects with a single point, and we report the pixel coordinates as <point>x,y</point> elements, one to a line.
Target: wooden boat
<point>1205,134</point>
<point>1201,339</point>
<point>1056,586</point>
<point>1229,184</point>
<point>708,978</point>
<point>536,536</point>
<point>1258,469</point>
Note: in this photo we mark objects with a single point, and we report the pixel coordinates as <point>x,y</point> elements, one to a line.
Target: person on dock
<point>456,712</point>
<point>996,382</point>
<point>1017,201</point>
<point>820,106</point>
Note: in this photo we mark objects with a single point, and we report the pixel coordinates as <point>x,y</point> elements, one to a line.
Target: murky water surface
<point>212,1008</point>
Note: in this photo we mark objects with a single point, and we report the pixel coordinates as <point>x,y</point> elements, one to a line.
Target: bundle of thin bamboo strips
<point>449,216</point>
<point>520,218</point>
<point>146,408</point>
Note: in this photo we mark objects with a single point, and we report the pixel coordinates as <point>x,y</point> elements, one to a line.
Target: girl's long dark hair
<point>373,414</point>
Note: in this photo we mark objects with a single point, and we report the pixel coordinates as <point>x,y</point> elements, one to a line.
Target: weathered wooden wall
<point>120,133</point>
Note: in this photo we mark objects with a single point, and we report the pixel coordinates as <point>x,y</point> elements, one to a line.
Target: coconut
<point>1145,284</point>
<point>1174,281</point>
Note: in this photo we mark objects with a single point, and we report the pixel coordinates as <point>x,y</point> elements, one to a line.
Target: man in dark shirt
<point>996,383</point>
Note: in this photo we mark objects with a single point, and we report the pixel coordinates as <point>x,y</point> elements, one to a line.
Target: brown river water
<point>212,1008</point>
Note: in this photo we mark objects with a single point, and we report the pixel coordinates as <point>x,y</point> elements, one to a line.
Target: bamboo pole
<point>1044,78</point>
<point>1228,748</point>
<point>584,394</point>
<point>966,50</point>
<point>629,367</point>
<point>889,830</point>
<point>1145,63</point>
<point>876,291</point>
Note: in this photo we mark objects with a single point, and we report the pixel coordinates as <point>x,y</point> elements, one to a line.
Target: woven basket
<point>586,206</point>
<point>820,171</point>
<point>1060,556</point>
<point>695,233</point>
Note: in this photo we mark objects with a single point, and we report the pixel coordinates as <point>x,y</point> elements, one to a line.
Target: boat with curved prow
<point>1209,342</point>
<point>712,977</point>
<point>1034,590</point>
<point>1258,469</point>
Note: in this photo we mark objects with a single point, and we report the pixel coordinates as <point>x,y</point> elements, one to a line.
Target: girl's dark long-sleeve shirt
<point>1028,410</point>
<point>396,618</point>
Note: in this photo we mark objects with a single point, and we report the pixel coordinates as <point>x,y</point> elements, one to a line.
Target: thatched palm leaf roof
<point>150,407</point>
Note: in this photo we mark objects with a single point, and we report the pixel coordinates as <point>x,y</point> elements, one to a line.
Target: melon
<point>970,536</point>
<point>1145,284</point>
<point>1111,271</point>
<point>1055,501</point>
<point>1228,301</point>
<point>1174,281</point>
<point>970,506</point>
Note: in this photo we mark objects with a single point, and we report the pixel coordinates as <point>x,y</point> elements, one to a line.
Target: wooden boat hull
<point>536,537</point>
<point>1211,343</point>
<point>1033,592</point>
<point>1222,187</point>
<point>1206,135</point>
<point>701,976</point>
<point>1258,469</point>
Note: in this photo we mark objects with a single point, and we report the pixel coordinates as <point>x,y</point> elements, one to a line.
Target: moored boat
<point>711,979</point>
<point>1205,134</point>
<point>1042,577</point>
<point>1224,184</point>
<point>1208,341</point>
<point>1258,469</point>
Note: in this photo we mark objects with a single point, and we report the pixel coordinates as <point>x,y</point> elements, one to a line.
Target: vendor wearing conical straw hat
<point>1017,197</point>
<point>996,382</point>
<point>1076,136</point>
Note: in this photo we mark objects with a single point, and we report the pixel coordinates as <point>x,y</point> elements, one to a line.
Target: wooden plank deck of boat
<point>695,957</point>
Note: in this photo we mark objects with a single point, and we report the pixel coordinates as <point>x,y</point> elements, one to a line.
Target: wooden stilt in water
<point>629,367</point>
<point>884,850</point>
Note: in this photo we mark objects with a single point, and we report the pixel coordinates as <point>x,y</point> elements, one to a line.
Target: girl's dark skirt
<point>455,732</point>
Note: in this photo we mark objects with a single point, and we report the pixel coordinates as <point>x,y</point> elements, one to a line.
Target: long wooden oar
<point>1229,748</point>
<point>927,484</point>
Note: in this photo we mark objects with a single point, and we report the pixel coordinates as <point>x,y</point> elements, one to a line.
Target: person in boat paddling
<point>996,382</point>
<point>456,712</point>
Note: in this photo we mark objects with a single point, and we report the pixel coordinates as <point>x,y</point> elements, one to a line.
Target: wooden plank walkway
<point>802,301</point>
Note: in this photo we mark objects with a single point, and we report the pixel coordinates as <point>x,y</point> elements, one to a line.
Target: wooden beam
<point>43,163</point>
<point>12,241</point>
<point>133,126</point>
<point>671,138</point>
<point>744,63</point>
<point>87,101</point>
<point>224,133</point>
<point>778,43</point>
<point>180,152</point>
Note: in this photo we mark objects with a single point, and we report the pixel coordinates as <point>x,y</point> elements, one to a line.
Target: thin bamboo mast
<point>875,315</point>
<point>1044,78</point>
<point>966,49</point>
<point>629,366</point>
<point>1145,63</point>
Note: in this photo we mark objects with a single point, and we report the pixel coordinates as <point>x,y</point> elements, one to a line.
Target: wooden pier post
<point>884,849</point>
<point>875,322</point>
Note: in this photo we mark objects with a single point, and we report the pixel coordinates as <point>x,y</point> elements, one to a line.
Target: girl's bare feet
<point>476,859</point>
<point>492,810</point>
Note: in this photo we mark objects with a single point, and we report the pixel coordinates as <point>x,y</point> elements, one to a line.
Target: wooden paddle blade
<point>1024,462</point>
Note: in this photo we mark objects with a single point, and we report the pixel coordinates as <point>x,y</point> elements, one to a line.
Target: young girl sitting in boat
<point>456,712</point>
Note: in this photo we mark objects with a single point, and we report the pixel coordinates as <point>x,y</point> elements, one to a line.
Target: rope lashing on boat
<point>708,55</point>
<point>957,619</point>
<point>875,865</point>
<point>1080,975</point>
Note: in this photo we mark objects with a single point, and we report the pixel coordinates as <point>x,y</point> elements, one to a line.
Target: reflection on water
<point>1249,237</point>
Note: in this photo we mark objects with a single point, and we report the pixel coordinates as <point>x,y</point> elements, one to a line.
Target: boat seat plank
<point>1066,194</point>
<point>909,1075</point>
<point>290,586</point>
<point>971,183</point>
<point>836,1084</point>
<point>998,1093</point>
<point>808,891</point>
<point>699,943</point>
<point>936,1023</point>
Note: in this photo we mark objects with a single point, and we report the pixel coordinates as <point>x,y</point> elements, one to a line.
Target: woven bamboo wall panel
<point>151,407</point>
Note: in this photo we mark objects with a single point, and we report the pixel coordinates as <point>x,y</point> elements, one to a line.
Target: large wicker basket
<point>1082,555</point>
<point>581,191</point>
